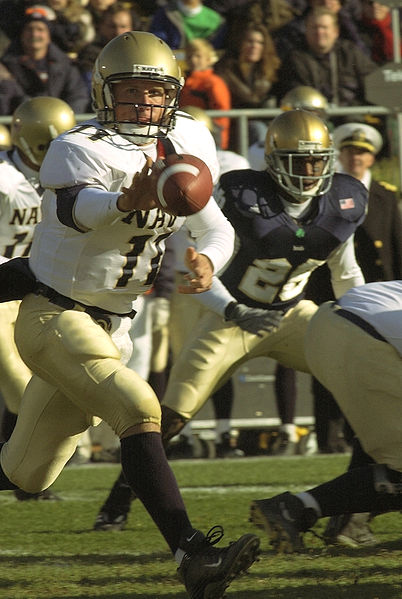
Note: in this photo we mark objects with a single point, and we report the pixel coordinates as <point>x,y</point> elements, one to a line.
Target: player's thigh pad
<point>73,353</point>
<point>44,438</point>
<point>206,360</point>
<point>365,377</point>
<point>286,345</point>
<point>14,374</point>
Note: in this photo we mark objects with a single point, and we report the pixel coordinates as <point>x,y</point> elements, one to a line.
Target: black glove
<point>253,320</point>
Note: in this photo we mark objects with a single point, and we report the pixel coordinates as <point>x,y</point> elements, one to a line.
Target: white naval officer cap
<point>358,135</point>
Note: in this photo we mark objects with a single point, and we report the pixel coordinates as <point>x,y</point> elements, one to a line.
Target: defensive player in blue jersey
<point>354,348</point>
<point>288,220</point>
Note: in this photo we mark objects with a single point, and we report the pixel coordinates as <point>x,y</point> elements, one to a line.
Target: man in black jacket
<point>334,66</point>
<point>41,68</point>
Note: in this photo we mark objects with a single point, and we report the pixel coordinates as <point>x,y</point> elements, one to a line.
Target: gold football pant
<point>78,375</point>
<point>217,348</point>
<point>14,374</point>
<point>365,377</point>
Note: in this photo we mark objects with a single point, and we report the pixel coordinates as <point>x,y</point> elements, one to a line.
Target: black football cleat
<point>46,495</point>
<point>110,521</point>
<point>284,518</point>
<point>207,571</point>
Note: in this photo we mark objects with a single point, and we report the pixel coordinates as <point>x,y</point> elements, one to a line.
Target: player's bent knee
<point>172,424</point>
<point>128,402</point>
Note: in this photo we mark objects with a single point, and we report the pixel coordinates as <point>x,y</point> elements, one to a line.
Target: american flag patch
<point>347,203</point>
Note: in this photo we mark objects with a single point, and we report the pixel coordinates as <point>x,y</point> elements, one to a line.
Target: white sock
<point>290,429</point>
<point>310,502</point>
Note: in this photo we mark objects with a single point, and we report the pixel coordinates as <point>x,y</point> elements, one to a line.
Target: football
<point>184,185</point>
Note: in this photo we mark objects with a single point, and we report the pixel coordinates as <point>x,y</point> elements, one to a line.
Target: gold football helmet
<point>5,138</point>
<point>295,138</point>
<point>199,115</point>
<point>136,55</point>
<point>37,122</point>
<point>305,98</point>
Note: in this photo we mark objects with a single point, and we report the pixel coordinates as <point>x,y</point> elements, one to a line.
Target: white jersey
<point>20,202</point>
<point>90,251</point>
<point>379,304</point>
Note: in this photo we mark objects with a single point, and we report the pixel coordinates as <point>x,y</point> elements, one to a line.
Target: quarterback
<point>99,245</point>
<point>289,220</point>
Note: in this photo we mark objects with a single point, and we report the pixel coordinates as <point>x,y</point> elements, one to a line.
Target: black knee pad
<point>172,424</point>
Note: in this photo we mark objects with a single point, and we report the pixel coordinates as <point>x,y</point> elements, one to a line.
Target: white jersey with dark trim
<point>20,203</point>
<point>85,247</point>
<point>379,304</point>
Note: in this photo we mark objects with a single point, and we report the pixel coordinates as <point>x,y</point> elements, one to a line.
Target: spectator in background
<point>376,30</point>
<point>41,68</point>
<point>116,19</point>
<point>180,21</point>
<point>204,89</point>
<point>334,66</point>
<point>348,13</point>
<point>249,68</point>
<point>97,9</point>
<point>73,26</point>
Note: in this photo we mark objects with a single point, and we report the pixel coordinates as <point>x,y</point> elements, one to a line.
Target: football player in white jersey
<point>34,124</point>
<point>354,348</point>
<point>98,246</point>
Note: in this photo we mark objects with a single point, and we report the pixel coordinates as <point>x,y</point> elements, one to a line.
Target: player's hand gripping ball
<point>184,185</point>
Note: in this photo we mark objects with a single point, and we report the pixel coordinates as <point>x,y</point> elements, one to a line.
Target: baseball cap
<point>358,135</point>
<point>39,12</point>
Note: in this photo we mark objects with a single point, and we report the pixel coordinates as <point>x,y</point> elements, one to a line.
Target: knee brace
<point>387,481</point>
<point>172,424</point>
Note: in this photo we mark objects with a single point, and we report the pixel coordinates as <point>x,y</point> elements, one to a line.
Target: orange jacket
<point>208,91</point>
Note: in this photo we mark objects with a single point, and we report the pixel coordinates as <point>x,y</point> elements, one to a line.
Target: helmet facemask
<point>158,124</point>
<point>285,168</point>
<point>299,154</point>
<point>136,56</point>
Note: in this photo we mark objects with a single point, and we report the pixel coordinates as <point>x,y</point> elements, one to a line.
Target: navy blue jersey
<point>275,253</point>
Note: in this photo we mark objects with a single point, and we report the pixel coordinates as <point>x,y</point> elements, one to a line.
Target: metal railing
<point>243,115</point>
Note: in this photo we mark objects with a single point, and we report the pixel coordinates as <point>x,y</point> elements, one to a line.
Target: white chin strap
<point>134,129</point>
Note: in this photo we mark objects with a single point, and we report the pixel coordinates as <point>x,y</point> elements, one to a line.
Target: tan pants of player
<point>78,376</point>
<point>365,377</point>
<point>14,374</point>
<point>217,348</point>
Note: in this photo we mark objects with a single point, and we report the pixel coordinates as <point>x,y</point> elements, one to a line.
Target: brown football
<point>184,185</point>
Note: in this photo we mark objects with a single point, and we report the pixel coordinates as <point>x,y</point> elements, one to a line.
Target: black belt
<point>69,304</point>
<point>360,322</point>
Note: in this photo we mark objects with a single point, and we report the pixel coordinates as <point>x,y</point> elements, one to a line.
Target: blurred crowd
<point>234,54</point>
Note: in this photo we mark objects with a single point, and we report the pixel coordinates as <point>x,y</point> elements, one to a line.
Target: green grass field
<point>49,551</point>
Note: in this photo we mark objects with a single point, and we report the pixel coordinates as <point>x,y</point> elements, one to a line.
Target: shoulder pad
<point>388,186</point>
<point>250,191</point>
<point>348,197</point>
